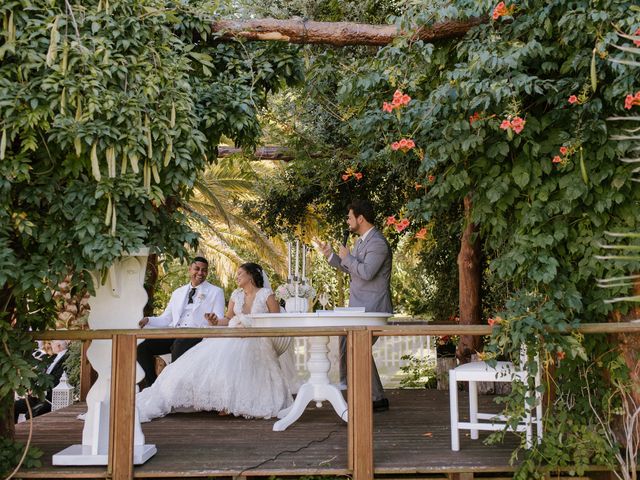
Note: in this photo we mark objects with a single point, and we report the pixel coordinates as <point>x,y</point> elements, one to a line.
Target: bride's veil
<point>265,280</point>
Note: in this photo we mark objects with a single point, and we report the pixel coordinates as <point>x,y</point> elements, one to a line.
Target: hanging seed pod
<point>3,143</point>
<point>95,166</point>
<point>147,176</point>
<point>123,163</point>
<point>52,53</point>
<point>594,75</point>
<point>156,175</point>
<point>78,109</point>
<point>113,221</point>
<point>107,216</point>
<point>167,153</point>
<point>172,119</point>
<point>111,161</point>
<point>147,127</point>
<point>11,33</point>
<point>63,100</point>
<point>133,158</point>
<point>77,143</point>
<point>65,58</point>
<point>583,169</point>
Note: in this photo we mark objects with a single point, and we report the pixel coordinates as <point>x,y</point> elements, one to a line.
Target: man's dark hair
<point>199,259</point>
<point>364,208</point>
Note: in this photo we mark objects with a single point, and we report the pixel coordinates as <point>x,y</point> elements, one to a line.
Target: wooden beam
<point>122,411</point>
<point>336,33</point>
<point>390,330</point>
<point>360,440</point>
<point>272,152</point>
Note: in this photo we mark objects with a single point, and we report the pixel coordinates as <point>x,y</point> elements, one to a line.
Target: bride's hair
<point>255,271</point>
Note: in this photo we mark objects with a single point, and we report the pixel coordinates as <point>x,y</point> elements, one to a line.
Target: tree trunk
<point>629,345</point>
<point>335,33</point>
<point>7,427</point>
<point>470,275</point>
<point>151,281</point>
<point>7,304</point>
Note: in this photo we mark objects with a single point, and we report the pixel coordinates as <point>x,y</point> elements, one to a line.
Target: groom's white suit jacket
<point>207,299</point>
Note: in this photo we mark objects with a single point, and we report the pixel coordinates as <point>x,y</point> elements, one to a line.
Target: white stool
<point>481,372</point>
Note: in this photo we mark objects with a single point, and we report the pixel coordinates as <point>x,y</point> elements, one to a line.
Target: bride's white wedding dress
<point>241,376</point>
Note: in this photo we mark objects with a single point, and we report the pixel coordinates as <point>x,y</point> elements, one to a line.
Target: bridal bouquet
<point>240,321</point>
<point>288,290</point>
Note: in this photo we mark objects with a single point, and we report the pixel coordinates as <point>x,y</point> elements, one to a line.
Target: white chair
<point>502,372</point>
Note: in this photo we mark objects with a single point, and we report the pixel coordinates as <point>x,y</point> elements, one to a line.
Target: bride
<point>240,376</point>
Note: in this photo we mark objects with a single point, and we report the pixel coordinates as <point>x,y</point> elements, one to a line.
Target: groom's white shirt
<point>207,299</point>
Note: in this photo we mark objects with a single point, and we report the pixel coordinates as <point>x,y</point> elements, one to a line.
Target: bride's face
<point>243,278</point>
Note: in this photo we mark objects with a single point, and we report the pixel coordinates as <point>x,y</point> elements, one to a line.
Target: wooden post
<point>360,405</point>
<point>85,371</point>
<point>122,411</point>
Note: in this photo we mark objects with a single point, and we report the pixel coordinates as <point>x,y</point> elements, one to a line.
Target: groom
<point>369,268</point>
<point>188,308</point>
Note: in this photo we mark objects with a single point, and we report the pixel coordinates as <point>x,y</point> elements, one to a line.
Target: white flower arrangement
<point>288,290</point>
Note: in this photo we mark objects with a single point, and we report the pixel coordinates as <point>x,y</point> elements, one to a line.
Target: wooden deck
<point>411,438</point>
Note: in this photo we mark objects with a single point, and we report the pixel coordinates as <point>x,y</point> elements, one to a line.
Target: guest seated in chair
<point>55,369</point>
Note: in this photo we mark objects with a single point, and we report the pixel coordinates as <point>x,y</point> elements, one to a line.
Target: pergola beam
<point>336,33</point>
<point>273,152</point>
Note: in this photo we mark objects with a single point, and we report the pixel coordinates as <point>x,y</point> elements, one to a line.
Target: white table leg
<point>453,409</point>
<point>318,389</point>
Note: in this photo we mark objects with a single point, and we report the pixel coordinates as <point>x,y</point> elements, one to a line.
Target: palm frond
<point>227,235</point>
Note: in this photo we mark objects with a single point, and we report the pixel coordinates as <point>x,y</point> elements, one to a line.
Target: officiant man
<point>369,269</point>
<point>189,307</point>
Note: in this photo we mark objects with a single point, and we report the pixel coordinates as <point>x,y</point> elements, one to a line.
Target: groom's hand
<point>212,318</point>
<point>343,252</point>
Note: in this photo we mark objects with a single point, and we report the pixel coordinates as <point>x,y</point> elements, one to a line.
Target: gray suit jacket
<point>369,266</point>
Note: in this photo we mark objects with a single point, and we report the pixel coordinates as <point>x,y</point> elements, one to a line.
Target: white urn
<point>296,305</point>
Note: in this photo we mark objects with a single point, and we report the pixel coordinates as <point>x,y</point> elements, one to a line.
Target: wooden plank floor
<point>413,437</point>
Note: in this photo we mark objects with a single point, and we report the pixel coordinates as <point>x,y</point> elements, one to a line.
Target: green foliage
<point>540,223</point>
<point>11,452</point>
<point>72,366</point>
<point>109,111</point>
<point>419,372</point>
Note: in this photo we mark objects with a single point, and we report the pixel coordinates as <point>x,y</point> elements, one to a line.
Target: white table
<point>318,388</point>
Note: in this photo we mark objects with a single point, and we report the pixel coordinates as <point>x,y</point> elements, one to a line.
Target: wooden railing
<point>359,342</point>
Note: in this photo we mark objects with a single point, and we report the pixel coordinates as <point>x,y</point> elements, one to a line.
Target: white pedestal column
<point>317,389</point>
<point>118,303</point>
